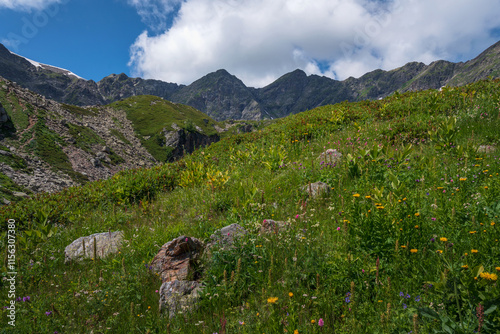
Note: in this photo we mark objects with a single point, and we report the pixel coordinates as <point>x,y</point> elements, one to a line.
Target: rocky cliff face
<point>223,96</point>
<point>48,146</point>
<point>184,141</point>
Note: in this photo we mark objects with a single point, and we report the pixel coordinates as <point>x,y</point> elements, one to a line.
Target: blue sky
<point>256,40</point>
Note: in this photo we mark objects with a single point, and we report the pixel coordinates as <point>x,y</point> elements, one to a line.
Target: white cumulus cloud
<point>26,5</point>
<point>260,40</point>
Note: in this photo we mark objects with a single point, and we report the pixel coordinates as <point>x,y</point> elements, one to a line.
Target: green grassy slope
<point>407,239</point>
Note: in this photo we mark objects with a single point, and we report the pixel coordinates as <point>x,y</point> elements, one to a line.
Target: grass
<point>406,241</point>
<point>151,116</point>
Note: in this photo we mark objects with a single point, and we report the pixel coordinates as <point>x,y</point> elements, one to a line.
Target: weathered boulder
<point>486,148</point>
<point>179,296</point>
<point>316,189</point>
<point>272,226</point>
<point>100,244</point>
<point>226,235</point>
<point>177,258</point>
<point>330,156</point>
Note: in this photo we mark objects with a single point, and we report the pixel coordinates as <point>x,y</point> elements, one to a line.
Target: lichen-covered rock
<point>227,235</point>
<point>179,296</point>
<point>177,258</point>
<point>316,189</point>
<point>272,226</point>
<point>330,156</point>
<point>100,244</point>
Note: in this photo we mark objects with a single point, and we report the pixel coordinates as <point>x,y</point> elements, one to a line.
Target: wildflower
<point>401,294</point>
<point>472,232</point>
<point>497,268</point>
<point>416,226</point>
<point>242,322</point>
<point>443,239</point>
<point>290,294</point>
<point>488,276</point>
<point>486,187</point>
<point>492,223</point>
<point>296,331</point>
<point>321,323</point>
<point>462,179</point>
<point>417,298</point>
<point>338,228</point>
<point>313,321</point>
<point>417,214</point>
<point>439,251</point>
<point>356,195</point>
<point>272,300</point>
<point>48,313</point>
<point>403,246</point>
<point>368,197</point>
<point>465,266</point>
<point>404,306</point>
<point>413,250</point>
<point>473,251</point>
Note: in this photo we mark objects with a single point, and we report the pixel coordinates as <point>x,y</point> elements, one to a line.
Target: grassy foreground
<point>406,241</point>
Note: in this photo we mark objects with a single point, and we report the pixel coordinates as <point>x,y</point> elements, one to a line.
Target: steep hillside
<point>46,146</point>
<point>368,217</point>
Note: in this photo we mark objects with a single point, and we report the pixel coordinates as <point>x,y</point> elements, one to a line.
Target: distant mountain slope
<point>223,96</point>
<point>47,146</point>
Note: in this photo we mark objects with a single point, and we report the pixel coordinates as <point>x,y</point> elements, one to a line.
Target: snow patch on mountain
<point>50,67</point>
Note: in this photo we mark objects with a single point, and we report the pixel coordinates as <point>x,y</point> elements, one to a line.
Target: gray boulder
<point>179,296</point>
<point>226,236</point>
<point>272,226</point>
<point>316,189</point>
<point>330,156</point>
<point>100,244</point>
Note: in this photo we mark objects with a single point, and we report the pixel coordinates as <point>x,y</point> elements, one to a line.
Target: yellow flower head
<point>417,214</point>
<point>443,239</point>
<point>439,251</point>
<point>313,321</point>
<point>356,195</point>
<point>290,294</point>
<point>465,266</point>
<point>413,250</point>
<point>472,232</point>
<point>272,300</point>
<point>473,251</point>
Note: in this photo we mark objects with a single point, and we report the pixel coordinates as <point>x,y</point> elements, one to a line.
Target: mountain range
<point>223,96</point>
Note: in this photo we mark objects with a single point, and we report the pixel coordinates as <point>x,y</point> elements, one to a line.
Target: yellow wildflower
<point>465,266</point>
<point>443,239</point>
<point>439,251</point>
<point>356,195</point>
<point>417,214</point>
<point>413,250</point>
<point>272,300</point>
<point>313,321</point>
<point>290,294</point>
<point>472,232</point>
<point>368,197</point>
<point>473,251</point>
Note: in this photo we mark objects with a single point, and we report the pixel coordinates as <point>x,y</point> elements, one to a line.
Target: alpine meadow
<point>374,216</point>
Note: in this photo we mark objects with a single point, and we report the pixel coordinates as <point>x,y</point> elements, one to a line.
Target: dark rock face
<point>183,141</point>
